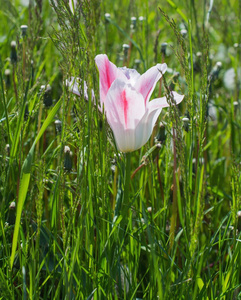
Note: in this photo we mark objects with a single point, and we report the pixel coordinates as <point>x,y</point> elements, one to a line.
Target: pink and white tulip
<point>125,95</point>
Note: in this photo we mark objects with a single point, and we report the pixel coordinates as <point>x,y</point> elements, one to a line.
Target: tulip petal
<point>147,123</point>
<point>173,98</point>
<point>131,74</point>
<point>124,109</point>
<point>147,81</point>
<point>124,104</point>
<point>74,84</point>
<point>108,72</point>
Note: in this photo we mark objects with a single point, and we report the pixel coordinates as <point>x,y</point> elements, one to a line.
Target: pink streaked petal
<point>108,72</point>
<point>124,105</point>
<point>147,81</point>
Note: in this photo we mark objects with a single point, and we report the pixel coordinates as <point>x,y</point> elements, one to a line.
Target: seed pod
<point>185,121</point>
<point>24,29</point>
<point>125,49</point>
<point>163,48</point>
<point>11,213</point>
<point>58,126</point>
<point>7,78</point>
<point>47,100</point>
<point>133,23</point>
<point>13,54</point>
<point>67,158</point>
<point>183,32</point>
<point>107,18</point>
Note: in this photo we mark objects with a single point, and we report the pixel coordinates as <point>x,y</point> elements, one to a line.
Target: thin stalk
<point>14,84</point>
<point>127,178</point>
<point>5,108</point>
<point>24,59</point>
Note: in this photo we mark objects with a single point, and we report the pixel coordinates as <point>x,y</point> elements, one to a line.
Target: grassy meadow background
<point>63,234</point>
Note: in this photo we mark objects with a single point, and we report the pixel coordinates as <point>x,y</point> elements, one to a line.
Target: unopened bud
<point>13,54</point>
<point>107,17</point>
<point>67,158</point>
<point>183,32</point>
<point>125,49</point>
<point>163,48</point>
<point>149,209</point>
<point>47,97</point>
<point>24,29</point>
<point>58,126</point>
<point>7,77</point>
<point>215,71</point>
<point>133,23</point>
<point>185,121</point>
<point>236,106</point>
<point>7,149</point>
<point>12,205</point>
<point>141,19</point>
<point>137,62</point>
<point>219,64</point>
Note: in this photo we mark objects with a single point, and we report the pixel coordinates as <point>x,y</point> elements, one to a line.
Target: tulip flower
<point>125,97</point>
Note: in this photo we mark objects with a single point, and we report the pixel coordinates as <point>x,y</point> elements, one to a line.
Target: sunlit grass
<point>63,234</point>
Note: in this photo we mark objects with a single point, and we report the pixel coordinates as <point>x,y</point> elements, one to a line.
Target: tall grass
<point>66,232</point>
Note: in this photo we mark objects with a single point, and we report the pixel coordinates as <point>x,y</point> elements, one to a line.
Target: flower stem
<point>127,178</point>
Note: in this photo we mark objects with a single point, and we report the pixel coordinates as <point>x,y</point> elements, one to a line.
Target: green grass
<point>75,232</point>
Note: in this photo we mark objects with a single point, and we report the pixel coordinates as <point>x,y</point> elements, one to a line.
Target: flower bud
<point>133,23</point>
<point>235,105</point>
<point>137,62</point>
<point>47,98</point>
<point>24,29</point>
<point>141,19</point>
<point>107,17</point>
<point>7,77</point>
<point>215,71</point>
<point>13,54</point>
<point>11,214</point>
<point>12,205</point>
<point>67,158</point>
<point>125,49</point>
<point>183,32</point>
<point>163,48</point>
<point>7,149</point>
<point>185,121</point>
<point>6,224</point>
<point>149,209</point>
<point>58,126</point>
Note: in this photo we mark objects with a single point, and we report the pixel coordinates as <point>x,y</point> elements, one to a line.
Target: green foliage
<point>73,225</point>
